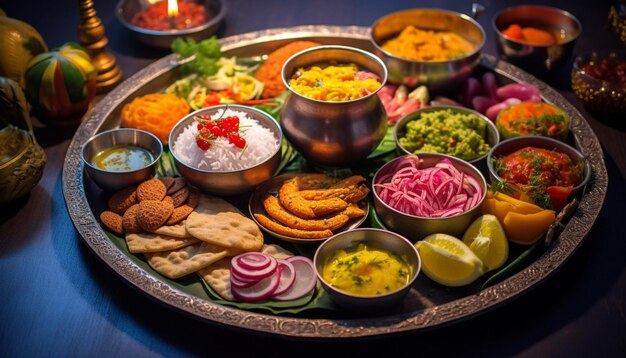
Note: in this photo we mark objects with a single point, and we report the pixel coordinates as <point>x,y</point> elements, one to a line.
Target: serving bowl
<point>485,128</point>
<point>113,179</point>
<point>126,10</point>
<point>439,76</point>
<point>539,59</point>
<point>415,227</point>
<point>378,239</point>
<point>333,133</point>
<point>510,145</point>
<point>227,182</point>
<point>599,82</point>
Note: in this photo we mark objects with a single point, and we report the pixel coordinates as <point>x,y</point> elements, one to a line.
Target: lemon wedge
<point>486,238</point>
<point>448,261</point>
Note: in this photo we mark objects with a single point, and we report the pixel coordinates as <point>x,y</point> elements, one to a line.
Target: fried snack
<point>151,189</point>
<point>277,212</point>
<point>123,199</point>
<point>192,198</point>
<point>179,183</point>
<point>351,194</point>
<point>167,181</point>
<point>217,276</point>
<point>353,211</point>
<point>270,71</point>
<point>180,196</point>
<point>153,213</point>
<point>177,230</point>
<point>129,220</point>
<point>150,242</point>
<point>180,262</point>
<point>307,209</point>
<point>287,231</point>
<point>179,214</point>
<point>218,222</point>
<point>315,181</point>
<point>348,182</point>
<point>112,221</point>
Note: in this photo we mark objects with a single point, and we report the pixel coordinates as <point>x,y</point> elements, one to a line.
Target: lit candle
<point>172,12</point>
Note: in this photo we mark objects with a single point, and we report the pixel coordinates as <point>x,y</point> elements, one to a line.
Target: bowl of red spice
<point>536,38</point>
<point>599,81</point>
<point>156,23</point>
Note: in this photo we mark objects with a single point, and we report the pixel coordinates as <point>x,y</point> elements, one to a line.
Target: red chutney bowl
<point>127,9</point>
<point>511,145</point>
<point>599,81</point>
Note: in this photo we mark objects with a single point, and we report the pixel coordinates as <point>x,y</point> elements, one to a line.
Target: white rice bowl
<point>223,156</point>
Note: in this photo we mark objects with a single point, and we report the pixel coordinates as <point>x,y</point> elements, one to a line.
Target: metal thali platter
<point>421,310</point>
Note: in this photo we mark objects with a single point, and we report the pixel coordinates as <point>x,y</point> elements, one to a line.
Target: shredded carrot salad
<point>156,113</point>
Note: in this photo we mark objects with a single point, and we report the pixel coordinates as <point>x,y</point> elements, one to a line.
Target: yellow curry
<point>366,271</point>
<point>428,45</point>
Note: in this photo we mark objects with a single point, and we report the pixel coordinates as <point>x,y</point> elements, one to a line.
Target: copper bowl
<point>439,76</point>
<point>537,59</point>
<point>338,133</point>
<point>126,9</point>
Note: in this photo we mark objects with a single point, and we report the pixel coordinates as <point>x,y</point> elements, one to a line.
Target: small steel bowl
<point>228,182</point>
<point>510,145</point>
<point>539,60</point>
<point>126,9</point>
<point>597,95</point>
<point>327,133</point>
<point>491,135</point>
<point>375,238</point>
<point>116,180</point>
<point>439,76</point>
<point>414,227</point>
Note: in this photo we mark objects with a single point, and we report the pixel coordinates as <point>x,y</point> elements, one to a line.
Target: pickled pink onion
<point>439,191</point>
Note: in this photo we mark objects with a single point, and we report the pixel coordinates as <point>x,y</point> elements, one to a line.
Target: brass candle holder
<point>91,37</point>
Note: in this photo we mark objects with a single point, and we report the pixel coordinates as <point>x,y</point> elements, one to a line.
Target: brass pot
<point>333,134</point>
<point>22,161</point>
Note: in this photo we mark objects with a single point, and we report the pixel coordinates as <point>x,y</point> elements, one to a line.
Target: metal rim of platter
<point>471,305</point>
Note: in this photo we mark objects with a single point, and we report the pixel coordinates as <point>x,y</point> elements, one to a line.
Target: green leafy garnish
<point>197,57</point>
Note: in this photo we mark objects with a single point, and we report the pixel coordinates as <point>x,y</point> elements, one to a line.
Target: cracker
<point>179,214</point>
<point>167,181</point>
<point>192,198</point>
<point>112,221</point>
<point>153,213</point>
<point>218,222</point>
<point>181,262</point>
<point>129,220</point>
<point>177,230</point>
<point>151,189</point>
<point>150,242</point>
<point>179,183</point>
<point>123,199</point>
<point>217,276</point>
<point>168,199</point>
<point>180,196</point>
<point>276,251</point>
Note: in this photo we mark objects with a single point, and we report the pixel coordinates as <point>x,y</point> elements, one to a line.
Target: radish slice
<point>305,282</point>
<point>248,274</point>
<point>287,276</point>
<point>254,260</point>
<point>260,291</point>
